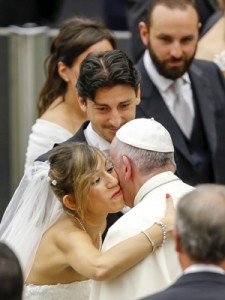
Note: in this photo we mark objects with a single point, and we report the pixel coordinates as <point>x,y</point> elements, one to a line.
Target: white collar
<point>154,182</point>
<point>95,140</point>
<point>162,83</point>
<point>204,268</point>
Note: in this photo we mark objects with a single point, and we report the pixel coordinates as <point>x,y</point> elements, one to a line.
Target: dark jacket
<point>194,286</point>
<point>205,152</point>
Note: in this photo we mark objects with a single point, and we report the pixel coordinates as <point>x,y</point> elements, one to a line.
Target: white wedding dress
<point>44,135</point>
<point>34,209</point>
<point>79,290</point>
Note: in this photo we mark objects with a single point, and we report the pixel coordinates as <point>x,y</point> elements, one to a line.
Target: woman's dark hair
<point>75,36</point>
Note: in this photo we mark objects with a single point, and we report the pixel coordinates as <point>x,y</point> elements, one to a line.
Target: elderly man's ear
<point>127,168</point>
<point>176,240</point>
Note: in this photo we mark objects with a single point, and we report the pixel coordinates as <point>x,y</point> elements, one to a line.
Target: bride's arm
<point>84,258</point>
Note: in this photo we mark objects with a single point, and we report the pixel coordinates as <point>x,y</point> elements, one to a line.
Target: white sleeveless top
<point>43,136</point>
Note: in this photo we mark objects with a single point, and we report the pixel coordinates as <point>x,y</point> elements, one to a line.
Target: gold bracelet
<point>150,240</point>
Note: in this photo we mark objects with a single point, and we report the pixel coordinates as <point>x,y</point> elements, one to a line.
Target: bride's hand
<point>168,219</point>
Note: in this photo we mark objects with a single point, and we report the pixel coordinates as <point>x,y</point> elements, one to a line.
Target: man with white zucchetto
<point>143,156</point>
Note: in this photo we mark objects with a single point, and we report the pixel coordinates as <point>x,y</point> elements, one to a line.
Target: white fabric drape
<point>31,211</point>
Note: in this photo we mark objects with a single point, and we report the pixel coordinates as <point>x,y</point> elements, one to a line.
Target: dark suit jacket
<point>194,286</point>
<point>80,137</point>
<point>209,86</point>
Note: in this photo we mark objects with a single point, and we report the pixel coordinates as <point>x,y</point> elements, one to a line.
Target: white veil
<point>31,211</point>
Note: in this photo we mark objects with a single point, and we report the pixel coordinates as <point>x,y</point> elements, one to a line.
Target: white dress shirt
<point>164,84</point>
<point>204,268</point>
<point>95,140</point>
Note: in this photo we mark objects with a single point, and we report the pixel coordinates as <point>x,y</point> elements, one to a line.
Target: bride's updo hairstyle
<point>72,169</point>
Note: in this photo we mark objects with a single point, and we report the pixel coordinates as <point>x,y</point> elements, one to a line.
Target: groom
<point>108,91</point>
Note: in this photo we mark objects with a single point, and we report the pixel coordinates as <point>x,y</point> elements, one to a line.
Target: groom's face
<point>112,108</point>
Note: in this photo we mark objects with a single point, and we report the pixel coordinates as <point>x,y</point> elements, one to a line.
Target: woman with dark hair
<point>59,115</point>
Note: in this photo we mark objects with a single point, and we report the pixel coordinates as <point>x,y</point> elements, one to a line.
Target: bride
<point>58,241</point>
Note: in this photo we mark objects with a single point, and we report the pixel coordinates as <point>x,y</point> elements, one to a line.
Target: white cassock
<point>158,270</point>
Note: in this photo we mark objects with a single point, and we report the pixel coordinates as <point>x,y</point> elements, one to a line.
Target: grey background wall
<point>4,123</point>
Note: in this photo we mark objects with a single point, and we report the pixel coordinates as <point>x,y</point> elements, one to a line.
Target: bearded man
<point>187,96</point>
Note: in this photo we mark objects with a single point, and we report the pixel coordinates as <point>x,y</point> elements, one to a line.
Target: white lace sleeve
<point>31,211</point>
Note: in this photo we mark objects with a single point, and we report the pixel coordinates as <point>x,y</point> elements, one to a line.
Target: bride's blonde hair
<point>72,169</point>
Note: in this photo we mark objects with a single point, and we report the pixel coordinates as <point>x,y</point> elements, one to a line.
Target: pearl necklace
<point>83,228</point>
<point>80,223</point>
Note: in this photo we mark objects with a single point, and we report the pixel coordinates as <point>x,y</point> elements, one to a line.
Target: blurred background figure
<point>59,115</point>
<point>212,45</point>
<point>38,12</point>
<point>11,278</point>
<point>200,243</point>
<point>205,9</point>
<point>114,14</point>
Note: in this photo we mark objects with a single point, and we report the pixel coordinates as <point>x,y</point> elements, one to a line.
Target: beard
<point>171,72</point>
